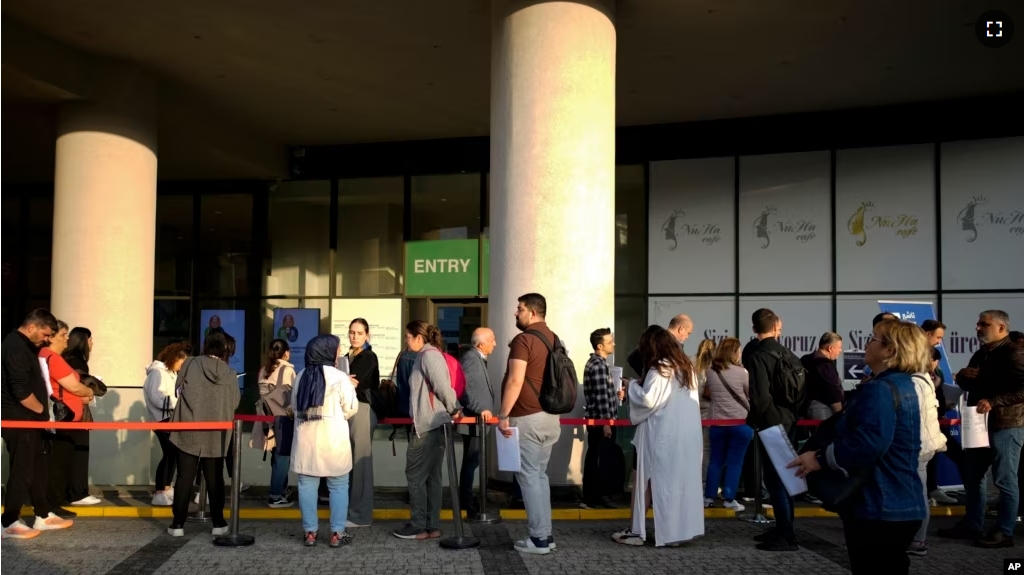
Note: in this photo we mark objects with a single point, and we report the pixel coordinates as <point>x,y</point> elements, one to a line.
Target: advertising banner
<point>231,322</point>
<point>917,312</point>
<point>297,327</point>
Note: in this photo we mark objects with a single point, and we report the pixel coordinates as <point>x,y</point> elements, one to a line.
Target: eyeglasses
<point>877,340</point>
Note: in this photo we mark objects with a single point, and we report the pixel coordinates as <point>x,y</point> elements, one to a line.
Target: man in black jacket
<point>23,397</point>
<point>763,364</point>
<point>993,382</point>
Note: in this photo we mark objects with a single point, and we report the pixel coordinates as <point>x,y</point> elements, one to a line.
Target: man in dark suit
<point>479,401</point>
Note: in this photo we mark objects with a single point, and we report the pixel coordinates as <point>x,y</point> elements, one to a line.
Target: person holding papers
<point>667,414</point>
<point>875,452</point>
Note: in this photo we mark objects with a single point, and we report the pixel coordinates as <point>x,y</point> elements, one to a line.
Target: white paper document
<point>508,449</point>
<point>974,425</point>
<point>617,377</point>
<point>781,452</point>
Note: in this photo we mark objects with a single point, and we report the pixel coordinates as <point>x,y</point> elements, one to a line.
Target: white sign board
<point>385,319</point>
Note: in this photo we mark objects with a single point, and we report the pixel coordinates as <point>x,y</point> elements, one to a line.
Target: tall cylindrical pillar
<point>104,228</point>
<point>553,72</point>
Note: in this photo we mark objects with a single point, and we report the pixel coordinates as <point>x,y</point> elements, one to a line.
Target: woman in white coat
<point>324,398</point>
<point>665,408</point>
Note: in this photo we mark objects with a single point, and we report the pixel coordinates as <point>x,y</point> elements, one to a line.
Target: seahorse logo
<point>761,225</point>
<point>856,225</point>
<point>669,228</point>
<point>966,217</point>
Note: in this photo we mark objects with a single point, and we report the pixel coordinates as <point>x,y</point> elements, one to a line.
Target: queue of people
<point>876,444</point>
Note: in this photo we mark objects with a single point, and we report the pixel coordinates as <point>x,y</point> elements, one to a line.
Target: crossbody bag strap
<point>743,403</point>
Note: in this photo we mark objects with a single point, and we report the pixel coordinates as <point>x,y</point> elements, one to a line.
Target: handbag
<point>736,397</point>
<point>832,487</point>
<point>61,411</point>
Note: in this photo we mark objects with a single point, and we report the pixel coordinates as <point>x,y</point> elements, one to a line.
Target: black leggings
<point>168,461</point>
<point>213,471</point>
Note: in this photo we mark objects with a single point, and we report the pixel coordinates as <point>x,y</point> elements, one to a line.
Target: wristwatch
<point>502,417</point>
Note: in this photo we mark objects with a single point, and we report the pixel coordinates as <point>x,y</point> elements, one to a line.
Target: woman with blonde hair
<point>702,361</point>
<point>728,388</point>
<point>870,466</point>
<point>665,410</point>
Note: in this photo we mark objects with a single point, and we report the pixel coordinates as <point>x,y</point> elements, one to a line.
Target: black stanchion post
<point>757,515</point>
<point>482,515</point>
<point>200,515</point>
<point>234,538</point>
<point>458,540</point>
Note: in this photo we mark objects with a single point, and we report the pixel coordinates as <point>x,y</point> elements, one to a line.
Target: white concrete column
<point>553,75</point>
<point>104,230</point>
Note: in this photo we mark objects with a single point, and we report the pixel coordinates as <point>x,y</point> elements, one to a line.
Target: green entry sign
<point>442,268</point>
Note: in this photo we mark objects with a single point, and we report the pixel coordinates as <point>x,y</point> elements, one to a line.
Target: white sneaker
<point>218,531</point>
<point>709,502</point>
<point>243,487</point>
<point>526,545</point>
<point>734,505</point>
<point>51,522</point>
<point>88,500</point>
<point>351,525</point>
<point>160,499</point>
<point>176,531</point>
<point>941,497</point>
<point>195,499</point>
<point>627,537</point>
<point>18,530</point>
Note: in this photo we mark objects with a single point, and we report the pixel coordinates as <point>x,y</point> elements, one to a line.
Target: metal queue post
<point>234,538</point>
<point>482,516</point>
<point>200,515</point>
<point>459,540</point>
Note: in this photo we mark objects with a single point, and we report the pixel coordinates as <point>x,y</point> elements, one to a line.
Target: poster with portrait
<point>231,322</point>
<point>297,327</point>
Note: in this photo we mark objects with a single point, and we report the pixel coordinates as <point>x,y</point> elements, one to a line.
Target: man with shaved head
<point>479,401</point>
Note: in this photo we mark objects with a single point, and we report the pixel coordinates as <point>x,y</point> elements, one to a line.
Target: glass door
<point>457,320</point>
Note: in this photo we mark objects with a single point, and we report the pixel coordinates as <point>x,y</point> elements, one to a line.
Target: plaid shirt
<point>600,401</point>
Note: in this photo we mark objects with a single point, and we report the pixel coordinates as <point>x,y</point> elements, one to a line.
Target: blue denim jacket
<point>872,433</point>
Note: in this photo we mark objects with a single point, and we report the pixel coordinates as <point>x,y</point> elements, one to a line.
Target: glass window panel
<point>172,321</point>
<point>981,189</point>
<point>691,226</point>
<point>12,249</point>
<point>805,319</point>
<point>961,312</point>
<point>299,235</point>
<point>369,257</point>
<point>38,260</point>
<point>785,220</point>
<point>173,270</point>
<point>631,231</point>
<point>886,219</point>
<point>226,244</point>
<point>446,207</point>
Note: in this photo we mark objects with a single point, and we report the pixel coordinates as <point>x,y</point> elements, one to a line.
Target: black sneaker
<point>777,545</point>
<point>410,532</point>
<point>608,503</point>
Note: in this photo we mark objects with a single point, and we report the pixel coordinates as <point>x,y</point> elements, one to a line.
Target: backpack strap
<point>551,350</point>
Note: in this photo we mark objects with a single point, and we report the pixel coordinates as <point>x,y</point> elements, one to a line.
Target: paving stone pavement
<point>140,547</point>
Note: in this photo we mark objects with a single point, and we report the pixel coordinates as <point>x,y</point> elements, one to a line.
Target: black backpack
<point>558,393</point>
<point>788,379</point>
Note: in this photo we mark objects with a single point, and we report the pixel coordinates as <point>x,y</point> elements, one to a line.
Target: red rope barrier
<point>226,425</point>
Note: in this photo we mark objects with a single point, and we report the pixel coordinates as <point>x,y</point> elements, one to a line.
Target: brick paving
<point>139,546</point>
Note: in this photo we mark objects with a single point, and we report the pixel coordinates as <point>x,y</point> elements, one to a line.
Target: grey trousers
<point>361,480</point>
<point>921,535</point>
<point>538,434</point>
<point>424,457</point>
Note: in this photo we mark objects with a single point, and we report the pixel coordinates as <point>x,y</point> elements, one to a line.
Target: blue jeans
<point>1003,454</point>
<point>338,488</point>
<point>782,502</point>
<point>278,474</point>
<point>728,447</point>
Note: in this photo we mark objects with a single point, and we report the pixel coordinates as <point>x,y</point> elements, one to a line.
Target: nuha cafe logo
<point>970,219</point>
<point>675,229</point>
<point>766,225</point>
<point>903,225</point>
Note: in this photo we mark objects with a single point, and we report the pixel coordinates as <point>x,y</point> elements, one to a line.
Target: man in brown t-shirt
<point>538,431</point>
